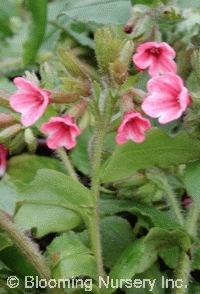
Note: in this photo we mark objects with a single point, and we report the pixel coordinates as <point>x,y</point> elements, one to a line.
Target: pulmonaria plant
<point>96,109</point>
<point>133,127</point>
<point>30,100</point>
<point>3,159</point>
<point>158,58</point>
<point>61,132</point>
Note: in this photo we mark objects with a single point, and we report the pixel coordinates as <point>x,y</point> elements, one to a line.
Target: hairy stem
<point>65,159</point>
<point>94,226</point>
<point>25,246</point>
<point>174,204</point>
<point>184,263</point>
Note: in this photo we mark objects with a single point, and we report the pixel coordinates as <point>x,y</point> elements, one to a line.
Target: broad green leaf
<point>38,10</point>
<point>126,266</point>
<point>45,219</point>
<point>100,11</point>
<point>24,167</point>
<point>170,256</point>
<point>49,198</point>
<point>7,198</point>
<point>191,175</point>
<point>158,239</point>
<point>154,273</point>
<point>158,149</point>
<point>117,235</point>
<point>152,216</point>
<point>70,258</point>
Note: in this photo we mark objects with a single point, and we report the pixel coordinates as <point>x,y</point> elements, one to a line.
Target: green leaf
<point>45,219</point>
<point>117,235</point>
<point>191,175</point>
<point>24,167</point>
<point>7,198</point>
<point>152,216</point>
<point>158,239</point>
<point>158,149</point>
<point>70,258</point>
<point>79,155</point>
<point>99,11</point>
<point>38,10</point>
<point>16,261</point>
<point>127,264</point>
<point>50,202</point>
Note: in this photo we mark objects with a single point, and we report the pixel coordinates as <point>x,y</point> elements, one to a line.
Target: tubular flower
<point>167,98</point>
<point>156,57</point>
<point>133,127</point>
<point>3,160</point>
<point>62,132</point>
<point>30,100</point>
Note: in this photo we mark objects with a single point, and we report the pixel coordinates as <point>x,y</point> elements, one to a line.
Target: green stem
<point>26,247</point>
<point>184,263</point>
<point>93,224</point>
<point>65,159</point>
<point>174,204</point>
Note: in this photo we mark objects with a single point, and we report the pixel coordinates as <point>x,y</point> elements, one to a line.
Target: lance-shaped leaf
<point>158,149</point>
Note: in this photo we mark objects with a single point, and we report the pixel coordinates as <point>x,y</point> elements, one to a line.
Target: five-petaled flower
<point>157,57</point>
<point>30,100</point>
<point>167,98</point>
<point>133,127</point>
<point>3,159</point>
<point>61,132</point>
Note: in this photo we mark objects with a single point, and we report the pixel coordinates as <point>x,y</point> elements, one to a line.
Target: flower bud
<point>72,64</point>
<point>30,140</point>
<point>6,120</point>
<point>126,52</point>
<point>77,87</point>
<point>78,109</point>
<point>118,71</point>
<point>7,133</point>
<point>63,97</point>
<point>126,103</point>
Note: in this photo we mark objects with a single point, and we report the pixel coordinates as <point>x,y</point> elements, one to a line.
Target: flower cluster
<point>32,101</point>
<point>167,99</point>
<point>167,96</point>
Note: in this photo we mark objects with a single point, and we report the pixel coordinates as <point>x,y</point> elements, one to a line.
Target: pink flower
<point>62,132</point>
<point>156,57</point>
<point>132,127</point>
<point>168,98</point>
<point>3,160</point>
<point>30,100</point>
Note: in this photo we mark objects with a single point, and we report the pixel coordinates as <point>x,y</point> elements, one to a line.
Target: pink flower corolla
<point>61,132</point>
<point>167,98</point>
<point>133,127</point>
<point>3,159</point>
<point>30,100</point>
<point>157,57</point>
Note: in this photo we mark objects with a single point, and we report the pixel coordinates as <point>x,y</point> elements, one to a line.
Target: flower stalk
<point>184,263</point>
